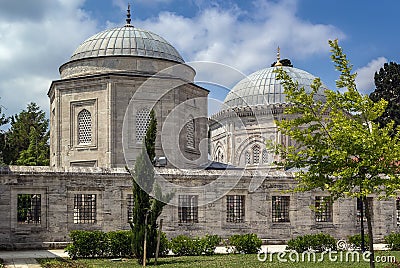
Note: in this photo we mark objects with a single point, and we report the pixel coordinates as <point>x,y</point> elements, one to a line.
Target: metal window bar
<point>85,208</point>
<point>188,209</point>
<point>280,208</point>
<point>323,207</point>
<point>235,208</point>
<point>129,207</point>
<point>29,208</point>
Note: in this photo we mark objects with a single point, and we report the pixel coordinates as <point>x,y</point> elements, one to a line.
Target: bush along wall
<point>393,241</point>
<point>246,244</point>
<point>315,242</point>
<point>355,241</point>
<point>183,245</point>
<point>97,244</point>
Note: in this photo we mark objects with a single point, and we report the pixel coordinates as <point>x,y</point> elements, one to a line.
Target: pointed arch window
<point>142,123</point>
<point>219,155</point>
<point>264,156</point>
<point>190,133</point>
<point>256,154</point>
<point>84,127</point>
<point>247,158</point>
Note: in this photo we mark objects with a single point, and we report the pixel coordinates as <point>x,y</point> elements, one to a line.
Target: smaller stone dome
<point>262,88</point>
<point>127,41</point>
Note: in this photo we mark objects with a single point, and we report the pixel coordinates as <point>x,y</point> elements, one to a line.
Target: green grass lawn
<point>217,261</point>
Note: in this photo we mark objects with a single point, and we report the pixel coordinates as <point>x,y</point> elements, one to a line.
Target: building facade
<point>99,113</point>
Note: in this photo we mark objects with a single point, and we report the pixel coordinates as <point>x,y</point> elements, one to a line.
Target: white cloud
<point>32,48</point>
<point>34,44</point>
<point>243,41</point>
<point>365,75</point>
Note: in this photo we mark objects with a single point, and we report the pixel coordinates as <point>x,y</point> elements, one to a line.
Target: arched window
<point>256,154</point>
<point>219,156</point>
<point>247,158</point>
<point>264,156</point>
<point>190,133</point>
<point>142,123</point>
<point>84,127</point>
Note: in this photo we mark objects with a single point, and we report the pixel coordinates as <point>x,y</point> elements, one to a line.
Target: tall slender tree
<point>146,208</point>
<point>339,147</point>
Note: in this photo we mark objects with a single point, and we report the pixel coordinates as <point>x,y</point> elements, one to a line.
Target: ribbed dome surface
<point>262,87</point>
<point>127,41</point>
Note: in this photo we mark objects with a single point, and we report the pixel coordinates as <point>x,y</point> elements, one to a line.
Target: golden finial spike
<point>278,58</point>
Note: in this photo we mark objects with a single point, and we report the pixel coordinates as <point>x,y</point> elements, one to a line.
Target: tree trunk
<point>368,214</point>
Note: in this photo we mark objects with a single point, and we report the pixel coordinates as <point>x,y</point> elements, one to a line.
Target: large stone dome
<point>127,41</point>
<point>262,87</point>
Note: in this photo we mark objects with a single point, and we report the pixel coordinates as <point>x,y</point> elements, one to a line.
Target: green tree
<point>146,206</point>
<point>387,82</point>
<point>37,153</point>
<point>339,147</point>
<point>29,128</point>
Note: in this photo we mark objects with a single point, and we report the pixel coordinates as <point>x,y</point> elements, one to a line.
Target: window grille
<point>323,206</point>
<point>280,208</point>
<point>187,209</point>
<point>84,127</point>
<point>142,123</point>
<point>190,134</point>
<point>256,154</point>
<point>235,208</point>
<point>248,159</point>
<point>129,207</point>
<point>85,208</point>
<point>264,156</point>
<point>29,208</point>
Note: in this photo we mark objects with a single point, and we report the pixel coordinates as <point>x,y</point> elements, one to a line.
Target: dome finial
<point>278,58</point>
<point>128,16</point>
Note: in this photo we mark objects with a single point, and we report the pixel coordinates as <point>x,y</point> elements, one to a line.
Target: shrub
<point>393,241</point>
<point>210,242</point>
<point>247,243</point>
<point>355,241</point>
<point>119,243</point>
<point>317,242</point>
<point>183,245</point>
<point>87,244</point>
<point>164,245</point>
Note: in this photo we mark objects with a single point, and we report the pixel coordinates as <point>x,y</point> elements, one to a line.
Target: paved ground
<point>26,258</point>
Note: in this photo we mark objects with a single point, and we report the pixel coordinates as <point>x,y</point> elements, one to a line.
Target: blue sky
<point>36,37</point>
